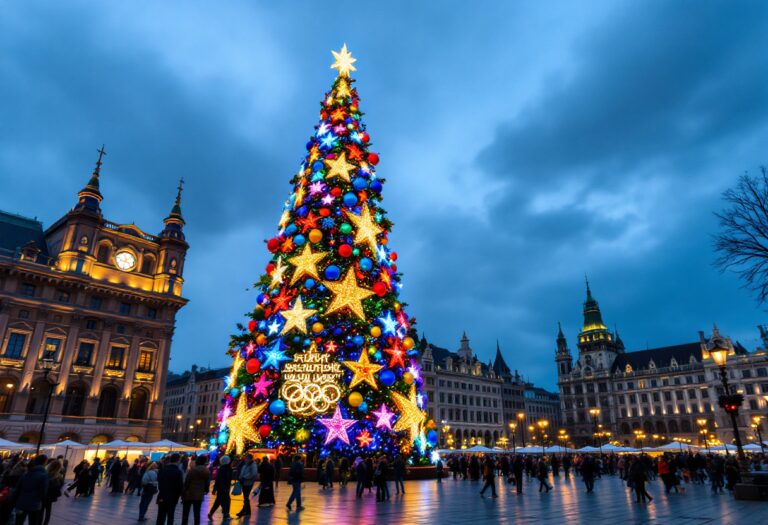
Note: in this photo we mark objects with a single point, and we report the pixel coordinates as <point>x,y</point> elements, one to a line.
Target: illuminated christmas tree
<point>325,363</point>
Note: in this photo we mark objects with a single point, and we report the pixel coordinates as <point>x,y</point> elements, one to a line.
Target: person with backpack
<point>149,489</point>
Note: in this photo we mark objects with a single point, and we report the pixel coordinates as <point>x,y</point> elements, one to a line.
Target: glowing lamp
<point>719,354</point>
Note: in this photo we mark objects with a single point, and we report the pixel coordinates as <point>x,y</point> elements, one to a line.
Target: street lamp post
<point>595,413</point>
<point>542,424</point>
<point>47,367</point>
<point>703,431</point>
<point>728,401</point>
<point>521,422</point>
<point>756,424</point>
<point>512,428</point>
<point>639,437</point>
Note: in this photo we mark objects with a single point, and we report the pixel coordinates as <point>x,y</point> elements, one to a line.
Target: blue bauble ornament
<point>262,298</point>
<point>359,183</point>
<point>432,437</point>
<point>332,272</point>
<point>363,407</point>
<point>387,377</point>
<point>376,186</point>
<point>366,264</point>
<point>309,283</point>
<point>350,199</point>
<point>317,165</point>
<point>302,211</point>
<point>337,331</point>
<point>234,392</point>
<point>291,229</point>
<point>309,145</point>
<point>358,340</point>
<point>299,239</point>
<point>277,407</point>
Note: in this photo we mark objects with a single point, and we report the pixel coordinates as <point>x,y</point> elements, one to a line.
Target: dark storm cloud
<point>524,145</point>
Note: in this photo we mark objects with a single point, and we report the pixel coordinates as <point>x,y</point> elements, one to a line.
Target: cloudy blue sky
<point>524,143</point>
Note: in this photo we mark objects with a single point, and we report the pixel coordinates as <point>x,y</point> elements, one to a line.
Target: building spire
<point>593,319</point>
<point>174,223</point>
<point>90,197</point>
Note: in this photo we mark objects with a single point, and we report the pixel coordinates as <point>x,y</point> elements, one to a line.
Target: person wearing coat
<point>55,483</point>
<point>31,492</point>
<point>170,484</point>
<point>195,488</point>
<point>489,477</point>
<point>266,490</point>
<point>149,489</point>
<point>247,475</point>
<point>221,489</point>
<point>295,479</point>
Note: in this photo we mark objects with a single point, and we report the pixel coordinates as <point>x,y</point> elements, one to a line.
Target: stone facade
<point>98,300</point>
<point>192,402</point>
<point>661,392</point>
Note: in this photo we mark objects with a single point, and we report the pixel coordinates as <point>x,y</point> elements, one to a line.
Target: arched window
<point>107,402</point>
<point>673,428</point>
<point>8,388</point>
<point>72,436</point>
<point>686,425</point>
<point>74,400</point>
<point>29,437</point>
<point>38,396</point>
<point>625,429</point>
<point>101,439</point>
<point>148,265</point>
<point>661,428</point>
<point>648,427</point>
<point>487,438</point>
<point>138,407</point>
<point>103,253</point>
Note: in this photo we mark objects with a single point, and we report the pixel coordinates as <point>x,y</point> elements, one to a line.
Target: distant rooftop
<point>17,230</point>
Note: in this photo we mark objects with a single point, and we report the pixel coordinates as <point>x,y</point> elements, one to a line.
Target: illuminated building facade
<point>192,401</point>
<point>98,301</point>
<point>653,395</point>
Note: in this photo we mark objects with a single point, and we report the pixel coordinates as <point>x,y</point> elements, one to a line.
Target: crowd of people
<point>674,470</point>
<point>29,487</point>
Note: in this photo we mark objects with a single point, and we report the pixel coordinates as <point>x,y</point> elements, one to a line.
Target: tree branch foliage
<point>742,243</point>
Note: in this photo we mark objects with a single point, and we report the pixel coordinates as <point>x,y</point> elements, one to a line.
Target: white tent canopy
<point>10,445</point>
<point>675,445</point>
<point>753,447</point>
<point>64,444</point>
<point>119,444</point>
<point>528,450</point>
<point>170,445</point>
<point>613,448</point>
<point>478,449</point>
<point>557,449</point>
<point>726,447</point>
<point>588,450</point>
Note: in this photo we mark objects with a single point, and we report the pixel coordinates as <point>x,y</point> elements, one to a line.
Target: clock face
<point>125,261</point>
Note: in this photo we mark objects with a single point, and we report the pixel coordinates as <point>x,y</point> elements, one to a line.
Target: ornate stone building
<point>474,402</point>
<point>192,402</point>
<point>97,300</point>
<point>660,392</point>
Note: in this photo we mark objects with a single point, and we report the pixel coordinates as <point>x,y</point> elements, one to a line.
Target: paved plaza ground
<point>454,502</point>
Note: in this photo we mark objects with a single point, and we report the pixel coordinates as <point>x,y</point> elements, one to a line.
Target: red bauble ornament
<point>380,289</point>
<point>251,326</point>
<point>394,267</point>
<point>345,250</point>
<point>365,138</point>
<point>324,212</point>
<point>270,268</point>
<point>373,158</point>
<point>336,191</point>
<point>252,366</point>
<point>273,244</point>
<point>392,256</point>
<point>264,430</point>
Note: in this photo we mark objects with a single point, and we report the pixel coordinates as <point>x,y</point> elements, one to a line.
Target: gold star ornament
<point>343,61</point>
<point>277,274</point>
<point>411,416</point>
<point>241,425</point>
<point>347,294</point>
<point>363,370</point>
<point>306,263</point>
<point>339,167</point>
<point>367,229</point>
<point>296,317</point>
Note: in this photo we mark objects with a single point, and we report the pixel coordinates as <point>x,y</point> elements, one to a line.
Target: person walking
<point>517,469</point>
<point>380,479</point>
<point>439,470</point>
<point>361,475</point>
<point>296,478</point>
<point>94,473</point>
<point>330,466</point>
<point>279,470</point>
<point>247,476</point>
<point>588,473</point>
<point>542,474</point>
<point>31,492</point>
<point>195,488</point>
<point>266,489</point>
<point>488,477</point>
<point>170,484</point>
<point>398,469</point>
<point>115,473</point>
<point>149,489</point>
<point>221,489</point>
<point>55,483</point>
<point>638,474</point>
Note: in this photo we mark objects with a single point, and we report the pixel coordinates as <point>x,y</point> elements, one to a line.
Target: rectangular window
<point>704,393</point>
<point>63,296</point>
<point>51,348</point>
<point>15,346</point>
<point>632,398</point>
<point>619,386</point>
<point>28,289</point>
<point>145,360</point>
<point>656,397</point>
<point>749,388</point>
<point>753,404</point>
<point>125,308</point>
<point>644,398</point>
<point>115,357</point>
<point>691,394</point>
<point>667,396</point>
<point>90,324</point>
<point>746,374</point>
<point>679,395</point>
<point>120,329</point>
<point>84,354</point>
<point>681,409</point>
<point>96,303</point>
<point>654,383</point>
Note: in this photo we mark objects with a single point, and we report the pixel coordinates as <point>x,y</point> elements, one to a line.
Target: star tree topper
<point>241,425</point>
<point>347,295</point>
<point>343,61</point>
<point>337,427</point>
